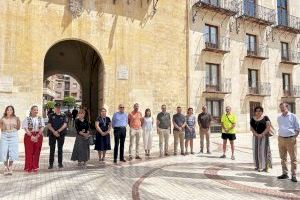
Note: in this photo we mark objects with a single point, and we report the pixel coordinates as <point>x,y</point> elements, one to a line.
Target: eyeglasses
<point>121,107</point>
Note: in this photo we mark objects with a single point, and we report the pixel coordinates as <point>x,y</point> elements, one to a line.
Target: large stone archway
<point>83,62</point>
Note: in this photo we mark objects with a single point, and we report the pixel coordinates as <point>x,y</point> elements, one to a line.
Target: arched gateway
<point>82,61</point>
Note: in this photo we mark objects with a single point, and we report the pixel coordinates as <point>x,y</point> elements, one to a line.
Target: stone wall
<point>130,36</point>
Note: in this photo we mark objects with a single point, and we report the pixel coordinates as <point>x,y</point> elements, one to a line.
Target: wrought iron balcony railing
<point>218,44</point>
<point>228,7</point>
<point>218,86</point>
<point>49,92</point>
<point>257,51</point>
<point>288,22</point>
<point>292,91</point>
<point>290,57</point>
<point>260,89</point>
<point>257,13</point>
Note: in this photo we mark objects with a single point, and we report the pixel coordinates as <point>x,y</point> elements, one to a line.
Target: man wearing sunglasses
<point>119,123</point>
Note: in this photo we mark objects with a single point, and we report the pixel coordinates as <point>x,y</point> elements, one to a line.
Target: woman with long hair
<point>260,127</point>
<point>147,131</point>
<point>33,139</point>
<point>9,125</point>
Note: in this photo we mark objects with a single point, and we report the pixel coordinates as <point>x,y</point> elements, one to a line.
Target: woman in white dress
<point>147,131</point>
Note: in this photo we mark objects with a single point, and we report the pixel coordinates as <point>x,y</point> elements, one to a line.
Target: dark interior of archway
<point>81,61</point>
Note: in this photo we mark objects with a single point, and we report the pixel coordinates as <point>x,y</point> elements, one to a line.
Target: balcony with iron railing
<point>49,92</point>
<point>222,85</point>
<point>256,13</point>
<point>259,89</point>
<point>226,7</point>
<point>257,51</point>
<point>288,22</point>
<point>218,45</point>
<point>290,57</point>
<point>292,91</point>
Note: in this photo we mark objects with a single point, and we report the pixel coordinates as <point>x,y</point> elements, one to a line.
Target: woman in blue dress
<point>103,126</point>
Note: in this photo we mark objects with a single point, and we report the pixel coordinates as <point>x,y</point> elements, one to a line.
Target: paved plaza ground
<point>199,176</point>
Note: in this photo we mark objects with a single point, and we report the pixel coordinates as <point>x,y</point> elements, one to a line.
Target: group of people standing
<point>141,126</point>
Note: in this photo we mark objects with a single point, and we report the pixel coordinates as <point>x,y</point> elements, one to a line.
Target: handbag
<point>92,140</point>
<point>272,131</point>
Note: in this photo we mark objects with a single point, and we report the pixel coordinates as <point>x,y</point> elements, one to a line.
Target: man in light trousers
<point>135,123</point>
<point>288,132</point>
<point>204,121</point>
<point>179,123</point>
<point>163,122</point>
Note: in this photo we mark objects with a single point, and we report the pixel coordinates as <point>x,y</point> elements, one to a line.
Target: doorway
<point>253,105</point>
<point>81,61</point>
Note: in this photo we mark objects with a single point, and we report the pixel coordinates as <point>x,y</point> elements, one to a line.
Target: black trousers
<point>52,143</point>
<point>120,135</point>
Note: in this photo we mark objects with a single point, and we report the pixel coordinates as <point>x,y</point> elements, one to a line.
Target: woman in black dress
<point>260,127</point>
<point>81,150</point>
<point>103,126</point>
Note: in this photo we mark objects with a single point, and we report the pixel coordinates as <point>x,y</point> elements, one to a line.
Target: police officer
<point>56,132</point>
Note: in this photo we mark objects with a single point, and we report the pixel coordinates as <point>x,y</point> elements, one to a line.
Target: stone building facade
<point>119,51</point>
<point>244,54</point>
<point>66,86</point>
<point>179,52</point>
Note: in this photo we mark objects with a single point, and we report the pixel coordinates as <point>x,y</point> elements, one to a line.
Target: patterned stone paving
<point>199,176</point>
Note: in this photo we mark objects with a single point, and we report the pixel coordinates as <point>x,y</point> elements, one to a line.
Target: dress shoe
<point>138,158</point>
<point>283,176</point>
<point>294,179</point>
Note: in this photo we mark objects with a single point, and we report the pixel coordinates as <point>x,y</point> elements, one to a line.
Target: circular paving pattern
<point>213,173</point>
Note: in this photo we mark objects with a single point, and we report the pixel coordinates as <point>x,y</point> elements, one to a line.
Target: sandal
<point>5,171</point>
<point>10,171</point>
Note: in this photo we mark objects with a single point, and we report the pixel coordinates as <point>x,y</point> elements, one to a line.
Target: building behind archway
<point>59,86</point>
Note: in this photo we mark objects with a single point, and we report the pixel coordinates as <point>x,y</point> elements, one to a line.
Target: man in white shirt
<point>287,140</point>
